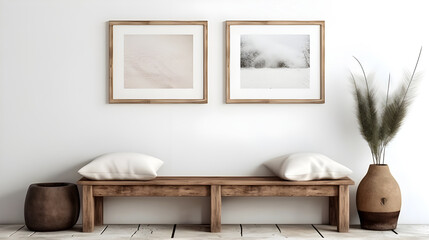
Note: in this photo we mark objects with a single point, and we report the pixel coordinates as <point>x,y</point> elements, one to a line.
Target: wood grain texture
<point>216,207</point>
<point>154,231</point>
<point>157,101</point>
<point>343,208</point>
<point>215,187</point>
<point>197,180</point>
<point>151,191</point>
<point>111,62</point>
<point>228,62</point>
<point>87,209</point>
<point>279,191</point>
<point>98,211</point>
<point>321,99</point>
<point>138,22</point>
<point>204,24</point>
<point>275,23</point>
<point>333,210</point>
<point>276,101</point>
<point>322,61</point>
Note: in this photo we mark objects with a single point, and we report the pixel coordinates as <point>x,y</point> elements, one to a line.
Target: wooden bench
<point>215,187</point>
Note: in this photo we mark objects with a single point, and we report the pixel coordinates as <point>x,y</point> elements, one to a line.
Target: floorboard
<point>9,230</point>
<point>98,230</point>
<point>59,234</point>
<point>153,231</point>
<point>298,231</point>
<point>230,232</point>
<point>22,233</point>
<point>415,231</point>
<point>261,230</point>
<point>203,231</point>
<point>355,232</point>
<point>121,230</point>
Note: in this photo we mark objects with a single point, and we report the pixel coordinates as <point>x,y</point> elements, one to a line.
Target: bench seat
<point>215,188</point>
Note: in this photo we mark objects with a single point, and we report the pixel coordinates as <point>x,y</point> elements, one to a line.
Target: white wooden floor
<point>238,231</point>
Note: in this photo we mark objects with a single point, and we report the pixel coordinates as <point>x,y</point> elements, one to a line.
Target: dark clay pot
<point>51,206</point>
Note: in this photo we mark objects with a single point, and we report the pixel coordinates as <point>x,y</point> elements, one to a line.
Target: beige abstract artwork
<point>158,61</point>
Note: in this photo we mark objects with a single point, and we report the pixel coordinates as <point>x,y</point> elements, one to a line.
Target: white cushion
<point>307,166</point>
<point>122,166</point>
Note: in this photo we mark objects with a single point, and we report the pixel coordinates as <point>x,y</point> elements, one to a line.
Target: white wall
<point>54,115</point>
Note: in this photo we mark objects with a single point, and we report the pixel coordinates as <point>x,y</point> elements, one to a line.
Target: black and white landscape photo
<point>275,61</point>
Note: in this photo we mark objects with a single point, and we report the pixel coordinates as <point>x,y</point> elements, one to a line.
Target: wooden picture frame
<point>275,62</point>
<point>158,62</point>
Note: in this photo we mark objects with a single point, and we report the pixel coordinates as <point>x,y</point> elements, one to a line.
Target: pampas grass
<point>379,122</point>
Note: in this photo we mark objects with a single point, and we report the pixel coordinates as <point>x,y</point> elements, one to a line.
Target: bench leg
<point>87,209</point>
<point>216,203</point>
<point>333,211</point>
<point>98,211</point>
<point>343,208</point>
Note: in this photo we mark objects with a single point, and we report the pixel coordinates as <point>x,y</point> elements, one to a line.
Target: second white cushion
<point>122,166</point>
<point>307,166</point>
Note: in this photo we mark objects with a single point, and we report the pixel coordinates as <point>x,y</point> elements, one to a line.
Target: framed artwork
<point>158,61</point>
<point>275,62</point>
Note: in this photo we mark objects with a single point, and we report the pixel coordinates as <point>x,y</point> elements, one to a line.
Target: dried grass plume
<point>379,122</point>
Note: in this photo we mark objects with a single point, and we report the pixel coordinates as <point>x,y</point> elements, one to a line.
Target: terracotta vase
<point>378,199</point>
<point>51,206</point>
